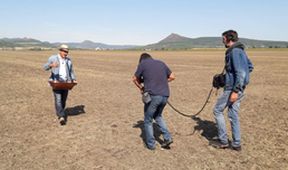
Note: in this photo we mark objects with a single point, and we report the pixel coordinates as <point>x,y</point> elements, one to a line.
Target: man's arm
<point>171,77</point>
<point>238,63</point>
<point>51,63</point>
<point>250,65</point>
<point>137,82</point>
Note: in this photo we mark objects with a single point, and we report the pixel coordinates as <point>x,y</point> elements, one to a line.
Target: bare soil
<point>105,122</point>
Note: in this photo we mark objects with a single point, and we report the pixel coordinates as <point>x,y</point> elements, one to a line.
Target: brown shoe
<point>219,145</point>
<point>237,148</point>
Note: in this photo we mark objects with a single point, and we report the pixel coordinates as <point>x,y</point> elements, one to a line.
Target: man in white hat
<point>61,71</point>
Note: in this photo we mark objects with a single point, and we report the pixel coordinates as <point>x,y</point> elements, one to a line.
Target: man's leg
<point>233,111</point>
<point>160,121</point>
<point>64,98</point>
<point>219,116</point>
<point>58,103</point>
<point>149,111</point>
<point>59,106</point>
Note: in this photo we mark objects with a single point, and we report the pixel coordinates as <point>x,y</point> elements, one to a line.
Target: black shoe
<point>166,144</point>
<point>237,148</point>
<point>219,145</point>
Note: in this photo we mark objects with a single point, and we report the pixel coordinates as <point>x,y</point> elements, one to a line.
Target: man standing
<point>61,71</point>
<point>237,68</point>
<point>155,75</point>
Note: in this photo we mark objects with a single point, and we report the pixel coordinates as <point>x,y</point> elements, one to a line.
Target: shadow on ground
<point>208,129</point>
<point>74,111</point>
<point>157,133</point>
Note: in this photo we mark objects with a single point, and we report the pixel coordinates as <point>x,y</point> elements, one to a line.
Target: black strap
<point>193,115</point>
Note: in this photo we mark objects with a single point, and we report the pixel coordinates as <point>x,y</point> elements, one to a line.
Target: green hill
<point>29,43</point>
<point>22,42</point>
<point>175,41</point>
<point>172,42</point>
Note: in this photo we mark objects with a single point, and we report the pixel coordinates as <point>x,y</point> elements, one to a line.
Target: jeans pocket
<point>146,98</point>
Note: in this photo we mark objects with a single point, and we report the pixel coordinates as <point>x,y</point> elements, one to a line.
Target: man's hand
<point>171,77</point>
<point>233,97</point>
<point>55,64</point>
<point>142,90</point>
<point>138,83</point>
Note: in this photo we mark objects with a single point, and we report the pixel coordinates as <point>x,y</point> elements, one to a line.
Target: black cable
<point>194,115</point>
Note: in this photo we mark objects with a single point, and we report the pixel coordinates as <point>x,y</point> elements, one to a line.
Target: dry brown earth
<point>109,134</point>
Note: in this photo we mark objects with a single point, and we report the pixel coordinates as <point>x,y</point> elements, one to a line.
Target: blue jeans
<point>60,97</point>
<point>233,109</point>
<point>153,110</point>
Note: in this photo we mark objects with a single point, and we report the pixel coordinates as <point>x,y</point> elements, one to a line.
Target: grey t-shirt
<point>155,75</point>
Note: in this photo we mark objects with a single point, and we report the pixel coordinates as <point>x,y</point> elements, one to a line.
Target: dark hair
<point>144,56</point>
<point>231,35</point>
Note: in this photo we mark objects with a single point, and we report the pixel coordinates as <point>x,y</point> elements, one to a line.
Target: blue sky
<point>141,22</point>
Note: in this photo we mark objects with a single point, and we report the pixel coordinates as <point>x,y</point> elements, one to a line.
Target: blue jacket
<point>55,71</point>
<point>237,67</point>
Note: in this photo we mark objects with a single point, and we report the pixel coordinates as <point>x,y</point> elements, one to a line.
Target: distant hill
<point>29,43</point>
<point>172,42</point>
<point>92,45</point>
<point>23,43</point>
<point>175,41</point>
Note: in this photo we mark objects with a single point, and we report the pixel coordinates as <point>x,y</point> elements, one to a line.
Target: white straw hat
<point>64,47</point>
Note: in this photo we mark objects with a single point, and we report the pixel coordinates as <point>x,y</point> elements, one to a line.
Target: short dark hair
<point>231,35</point>
<point>144,56</point>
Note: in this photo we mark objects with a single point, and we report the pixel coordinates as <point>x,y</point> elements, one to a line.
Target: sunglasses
<point>64,51</point>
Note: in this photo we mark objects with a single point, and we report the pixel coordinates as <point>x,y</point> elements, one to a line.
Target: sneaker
<point>237,148</point>
<point>166,144</point>
<point>151,148</point>
<point>219,145</point>
<point>62,121</point>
